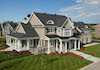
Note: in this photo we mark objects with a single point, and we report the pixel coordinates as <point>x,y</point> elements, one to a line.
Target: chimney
<point>25,20</point>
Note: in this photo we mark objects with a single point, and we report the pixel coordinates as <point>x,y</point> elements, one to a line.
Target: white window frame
<point>70,32</point>
<point>52,42</point>
<point>51,30</point>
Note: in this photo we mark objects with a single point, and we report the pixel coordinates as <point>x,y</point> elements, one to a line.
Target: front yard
<point>94,49</point>
<point>50,62</point>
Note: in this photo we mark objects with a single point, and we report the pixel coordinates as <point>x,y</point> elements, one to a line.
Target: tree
<point>11,22</point>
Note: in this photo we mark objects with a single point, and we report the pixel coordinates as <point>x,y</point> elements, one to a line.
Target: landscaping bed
<point>8,55</point>
<point>68,53</point>
<point>83,49</point>
<point>95,49</point>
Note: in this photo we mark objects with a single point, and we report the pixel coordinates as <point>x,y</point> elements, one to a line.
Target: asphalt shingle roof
<point>57,19</point>
<point>30,32</point>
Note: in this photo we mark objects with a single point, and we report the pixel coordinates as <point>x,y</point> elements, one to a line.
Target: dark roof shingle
<point>57,19</point>
<point>29,32</point>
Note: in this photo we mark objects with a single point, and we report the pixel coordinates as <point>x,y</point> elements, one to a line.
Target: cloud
<point>37,10</point>
<point>84,9</point>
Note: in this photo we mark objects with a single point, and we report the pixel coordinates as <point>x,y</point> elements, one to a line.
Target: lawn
<point>6,56</point>
<point>94,49</point>
<point>50,62</point>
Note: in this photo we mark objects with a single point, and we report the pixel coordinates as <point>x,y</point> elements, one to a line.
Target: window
<point>52,43</point>
<point>67,32</point>
<point>85,26</point>
<point>51,30</point>
<point>50,22</point>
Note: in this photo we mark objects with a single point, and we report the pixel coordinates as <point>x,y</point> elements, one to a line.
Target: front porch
<point>62,45</point>
<point>23,44</point>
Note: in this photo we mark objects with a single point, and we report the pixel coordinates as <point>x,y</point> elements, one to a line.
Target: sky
<point>87,11</point>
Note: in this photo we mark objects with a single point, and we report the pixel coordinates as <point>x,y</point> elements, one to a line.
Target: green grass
<point>93,37</point>
<point>94,49</point>
<point>50,62</point>
<point>5,57</point>
<point>93,34</point>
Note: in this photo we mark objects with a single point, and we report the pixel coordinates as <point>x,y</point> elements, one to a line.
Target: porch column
<point>48,46</point>
<point>78,44</point>
<point>75,45</point>
<point>10,41</point>
<point>60,46</point>
<point>65,46</point>
<point>15,43</point>
<point>28,44</point>
<point>70,45</point>
<point>19,45</point>
<point>56,45</point>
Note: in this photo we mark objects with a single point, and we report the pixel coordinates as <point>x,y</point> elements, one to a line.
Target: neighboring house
<point>7,28</point>
<point>46,31</point>
<point>97,30</point>
<point>0,31</point>
<point>85,32</point>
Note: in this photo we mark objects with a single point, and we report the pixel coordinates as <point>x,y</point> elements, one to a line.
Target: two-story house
<point>7,28</point>
<point>47,31</point>
<point>84,30</point>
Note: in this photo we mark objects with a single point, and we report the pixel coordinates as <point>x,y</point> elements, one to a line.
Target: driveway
<point>93,66</point>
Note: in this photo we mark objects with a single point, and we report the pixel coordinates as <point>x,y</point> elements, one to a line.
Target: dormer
<point>50,22</point>
<point>86,26</point>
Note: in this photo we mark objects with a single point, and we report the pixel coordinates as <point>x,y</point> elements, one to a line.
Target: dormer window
<point>50,22</point>
<point>85,26</point>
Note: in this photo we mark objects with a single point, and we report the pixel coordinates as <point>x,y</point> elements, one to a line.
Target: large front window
<point>51,30</point>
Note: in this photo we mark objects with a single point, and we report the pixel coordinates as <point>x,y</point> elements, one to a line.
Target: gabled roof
<point>10,24</point>
<point>79,24</point>
<point>30,32</point>
<point>57,19</point>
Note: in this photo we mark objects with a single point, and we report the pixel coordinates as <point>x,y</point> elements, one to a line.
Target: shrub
<point>2,43</point>
<point>56,51</point>
<point>61,53</point>
<point>2,40</point>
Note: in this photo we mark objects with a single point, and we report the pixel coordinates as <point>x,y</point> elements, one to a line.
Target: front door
<point>24,44</point>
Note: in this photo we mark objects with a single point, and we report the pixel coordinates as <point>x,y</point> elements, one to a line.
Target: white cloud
<point>84,9</point>
<point>37,10</point>
<point>93,14</point>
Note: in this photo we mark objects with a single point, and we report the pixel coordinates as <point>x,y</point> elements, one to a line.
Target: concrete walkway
<point>86,56</point>
<point>90,44</point>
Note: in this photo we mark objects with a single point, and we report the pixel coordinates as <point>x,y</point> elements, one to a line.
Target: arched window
<point>85,26</point>
<point>50,22</point>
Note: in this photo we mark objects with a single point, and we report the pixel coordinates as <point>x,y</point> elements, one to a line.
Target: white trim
<point>66,46</point>
<point>56,45</point>
<point>60,45</point>
<point>64,23</point>
<point>78,44</point>
<point>75,45</point>
<point>37,18</point>
<point>50,21</point>
<point>48,46</point>
<point>78,29</point>
<point>19,27</point>
<point>72,25</point>
<point>23,38</point>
